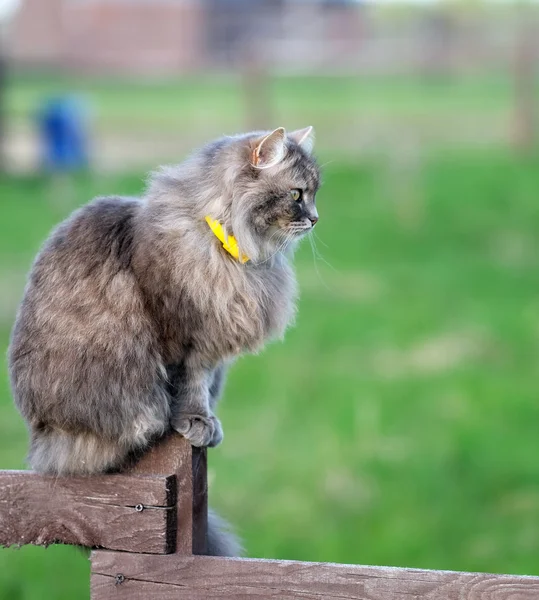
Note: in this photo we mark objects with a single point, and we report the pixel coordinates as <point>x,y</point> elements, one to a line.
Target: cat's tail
<point>221,541</point>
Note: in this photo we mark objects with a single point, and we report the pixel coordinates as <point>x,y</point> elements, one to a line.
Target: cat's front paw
<point>200,430</point>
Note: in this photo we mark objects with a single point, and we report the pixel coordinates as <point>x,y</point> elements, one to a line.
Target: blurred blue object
<point>63,126</point>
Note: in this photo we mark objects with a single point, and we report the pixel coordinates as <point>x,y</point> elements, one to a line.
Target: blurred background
<point>398,423</point>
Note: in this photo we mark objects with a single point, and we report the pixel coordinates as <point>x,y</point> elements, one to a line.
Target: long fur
<point>133,308</point>
<point>221,540</point>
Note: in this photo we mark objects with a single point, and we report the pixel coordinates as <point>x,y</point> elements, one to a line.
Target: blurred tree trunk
<point>3,85</point>
<point>439,34</point>
<point>263,26</point>
<point>524,77</point>
<point>257,94</point>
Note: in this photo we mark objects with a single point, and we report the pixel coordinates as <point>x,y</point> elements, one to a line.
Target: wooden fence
<point>148,528</point>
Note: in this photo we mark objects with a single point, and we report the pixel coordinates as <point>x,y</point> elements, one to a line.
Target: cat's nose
<point>313,219</point>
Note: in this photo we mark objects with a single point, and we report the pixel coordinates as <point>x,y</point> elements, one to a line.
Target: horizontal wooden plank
<point>120,512</point>
<point>138,577</point>
<point>114,489</point>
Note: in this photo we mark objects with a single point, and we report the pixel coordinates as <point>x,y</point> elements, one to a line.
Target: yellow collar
<point>230,244</point>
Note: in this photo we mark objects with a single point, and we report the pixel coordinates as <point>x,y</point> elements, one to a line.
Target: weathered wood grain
<point>138,577</point>
<point>120,512</point>
<point>175,456</point>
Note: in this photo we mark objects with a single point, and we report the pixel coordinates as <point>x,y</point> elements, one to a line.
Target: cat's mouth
<point>298,228</point>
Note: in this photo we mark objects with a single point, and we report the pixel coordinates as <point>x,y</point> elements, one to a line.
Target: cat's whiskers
<point>283,240</point>
<point>316,256</point>
<point>320,240</point>
<point>329,162</point>
<point>276,234</point>
<point>319,254</point>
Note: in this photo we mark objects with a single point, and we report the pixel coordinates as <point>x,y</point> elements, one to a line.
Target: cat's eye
<point>296,195</point>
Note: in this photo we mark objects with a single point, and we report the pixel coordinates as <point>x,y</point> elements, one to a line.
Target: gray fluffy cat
<point>134,306</point>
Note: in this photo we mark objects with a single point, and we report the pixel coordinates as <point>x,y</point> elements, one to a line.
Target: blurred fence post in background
<point>525,81</point>
<point>261,28</point>
<point>256,92</point>
<point>438,43</point>
<point>7,10</point>
<point>403,182</point>
<point>3,86</point>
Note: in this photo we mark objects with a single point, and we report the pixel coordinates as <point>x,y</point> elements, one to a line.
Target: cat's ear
<point>304,138</point>
<point>269,150</point>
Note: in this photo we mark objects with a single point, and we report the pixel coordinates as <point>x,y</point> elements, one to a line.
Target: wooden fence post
<point>176,456</point>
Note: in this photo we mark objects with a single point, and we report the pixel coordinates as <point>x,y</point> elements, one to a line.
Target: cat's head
<point>272,180</point>
<point>260,187</point>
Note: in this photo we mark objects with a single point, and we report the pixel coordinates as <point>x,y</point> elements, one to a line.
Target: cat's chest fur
<point>221,312</point>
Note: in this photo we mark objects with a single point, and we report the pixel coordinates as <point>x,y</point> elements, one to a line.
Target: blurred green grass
<point>350,113</point>
<point>162,102</point>
<point>397,424</point>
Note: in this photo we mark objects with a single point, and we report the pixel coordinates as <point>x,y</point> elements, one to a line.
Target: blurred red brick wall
<point>110,36</point>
